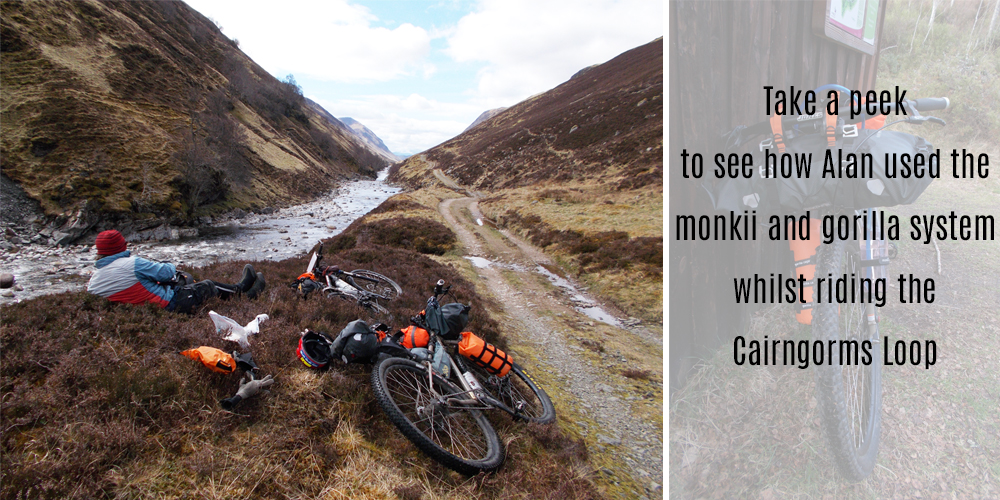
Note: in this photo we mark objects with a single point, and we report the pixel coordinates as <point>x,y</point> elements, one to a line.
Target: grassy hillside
<point>96,402</point>
<point>955,55</point>
<point>578,171</point>
<point>144,110</point>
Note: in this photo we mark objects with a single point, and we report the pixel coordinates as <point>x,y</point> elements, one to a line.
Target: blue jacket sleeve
<point>154,271</point>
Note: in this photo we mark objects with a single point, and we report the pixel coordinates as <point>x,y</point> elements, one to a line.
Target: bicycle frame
<point>478,398</point>
<point>341,287</point>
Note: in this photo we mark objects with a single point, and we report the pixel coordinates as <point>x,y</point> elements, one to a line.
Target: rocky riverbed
<point>40,269</point>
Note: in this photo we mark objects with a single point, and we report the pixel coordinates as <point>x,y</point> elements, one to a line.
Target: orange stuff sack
<point>215,359</point>
<point>485,354</point>
<point>414,336</point>
<point>804,254</point>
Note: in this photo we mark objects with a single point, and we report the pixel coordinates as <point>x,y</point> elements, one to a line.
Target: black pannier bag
<point>778,194</point>
<point>357,343</point>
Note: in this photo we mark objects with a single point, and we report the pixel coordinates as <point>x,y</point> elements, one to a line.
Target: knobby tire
<point>459,438</point>
<point>849,396</point>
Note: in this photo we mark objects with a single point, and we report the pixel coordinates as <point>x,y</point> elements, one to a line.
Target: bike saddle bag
<point>485,354</point>
<point>390,348</point>
<point>305,286</point>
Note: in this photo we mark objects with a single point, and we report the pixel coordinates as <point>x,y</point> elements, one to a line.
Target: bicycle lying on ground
<point>436,398</point>
<point>367,288</point>
<point>849,393</point>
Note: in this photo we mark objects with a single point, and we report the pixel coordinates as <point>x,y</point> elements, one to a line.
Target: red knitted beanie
<point>110,242</point>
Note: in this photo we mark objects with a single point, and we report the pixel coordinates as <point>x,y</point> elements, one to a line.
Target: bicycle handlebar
<point>931,103</point>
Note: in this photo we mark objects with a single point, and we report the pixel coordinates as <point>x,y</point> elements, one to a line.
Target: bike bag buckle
<point>850,130</point>
<point>767,143</point>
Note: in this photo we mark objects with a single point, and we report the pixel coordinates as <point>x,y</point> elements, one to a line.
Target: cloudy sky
<point>419,72</point>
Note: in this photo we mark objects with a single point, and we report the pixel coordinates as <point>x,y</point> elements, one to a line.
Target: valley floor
<point>605,380</point>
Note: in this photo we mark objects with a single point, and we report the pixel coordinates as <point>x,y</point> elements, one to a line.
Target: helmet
<point>314,349</point>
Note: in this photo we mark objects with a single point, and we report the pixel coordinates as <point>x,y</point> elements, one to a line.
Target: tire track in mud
<point>632,442</point>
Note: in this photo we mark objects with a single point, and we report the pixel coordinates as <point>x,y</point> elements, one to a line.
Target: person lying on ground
<point>120,277</point>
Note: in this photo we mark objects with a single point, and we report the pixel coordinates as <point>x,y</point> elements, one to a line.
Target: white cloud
<point>519,47</point>
<point>530,46</point>
<point>330,40</point>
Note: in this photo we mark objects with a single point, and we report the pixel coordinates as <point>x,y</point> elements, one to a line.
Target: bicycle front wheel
<point>378,284</point>
<point>848,391</point>
<point>518,391</point>
<point>457,437</point>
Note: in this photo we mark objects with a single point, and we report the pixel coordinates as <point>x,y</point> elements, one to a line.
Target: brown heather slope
<point>578,171</point>
<point>144,111</point>
<point>604,125</point>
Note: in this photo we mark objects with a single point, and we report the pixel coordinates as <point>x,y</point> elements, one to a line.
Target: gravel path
<point>536,318</point>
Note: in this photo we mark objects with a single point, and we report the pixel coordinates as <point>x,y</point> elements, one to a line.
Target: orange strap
<point>831,131</point>
<point>776,131</point>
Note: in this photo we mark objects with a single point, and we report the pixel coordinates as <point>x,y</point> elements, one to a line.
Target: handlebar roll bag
<point>842,187</point>
<point>456,318</point>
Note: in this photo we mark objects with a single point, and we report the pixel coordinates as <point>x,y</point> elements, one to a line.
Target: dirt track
<point>581,371</point>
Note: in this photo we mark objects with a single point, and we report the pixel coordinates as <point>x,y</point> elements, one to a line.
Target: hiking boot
<point>249,277</point>
<point>257,288</point>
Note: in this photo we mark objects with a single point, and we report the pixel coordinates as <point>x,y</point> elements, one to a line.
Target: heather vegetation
<point>97,402</point>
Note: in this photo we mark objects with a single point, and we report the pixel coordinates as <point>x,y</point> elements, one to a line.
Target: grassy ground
<point>753,432</point>
<point>610,239</point>
<point>96,402</point>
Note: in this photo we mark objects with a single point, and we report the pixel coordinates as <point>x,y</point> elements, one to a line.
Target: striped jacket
<point>132,280</point>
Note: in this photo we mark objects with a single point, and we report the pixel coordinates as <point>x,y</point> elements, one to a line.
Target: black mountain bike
<point>436,397</point>
<point>849,393</point>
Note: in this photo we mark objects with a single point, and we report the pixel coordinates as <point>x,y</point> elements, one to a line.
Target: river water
<point>292,231</point>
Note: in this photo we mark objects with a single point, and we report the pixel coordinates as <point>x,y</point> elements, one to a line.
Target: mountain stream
<point>291,231</point>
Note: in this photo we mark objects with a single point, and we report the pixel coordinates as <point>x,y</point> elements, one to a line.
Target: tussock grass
<point>97,403</point>
<point>611,240</point>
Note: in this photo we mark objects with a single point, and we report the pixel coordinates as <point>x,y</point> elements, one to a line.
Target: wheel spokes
<point>452,428</point>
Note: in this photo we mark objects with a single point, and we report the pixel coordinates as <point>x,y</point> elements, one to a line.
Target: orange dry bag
<point>485,354</point>
<point>215,359</point>
<point>804,254</point>
<point>414,336</point>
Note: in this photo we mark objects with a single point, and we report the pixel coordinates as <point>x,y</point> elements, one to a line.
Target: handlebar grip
<point>931,103</point>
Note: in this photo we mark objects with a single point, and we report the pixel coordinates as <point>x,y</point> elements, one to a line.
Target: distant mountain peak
<point>490,113</point>
<point>369,137</point>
